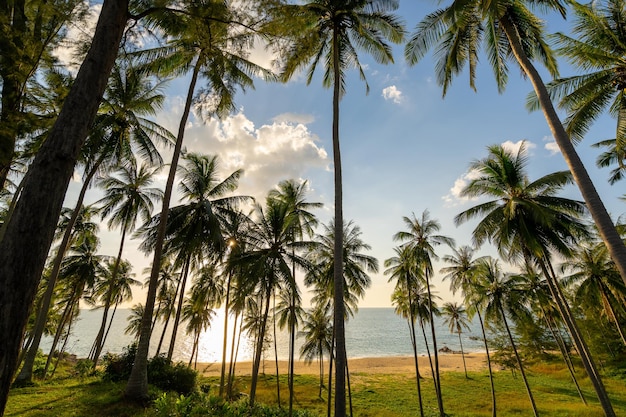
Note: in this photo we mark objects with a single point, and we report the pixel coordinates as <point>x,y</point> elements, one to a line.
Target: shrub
<point>161,372</point>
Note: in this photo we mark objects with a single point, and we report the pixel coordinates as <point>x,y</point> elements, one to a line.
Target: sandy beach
<point>381,365</point>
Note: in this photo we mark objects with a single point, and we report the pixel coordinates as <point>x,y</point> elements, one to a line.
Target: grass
<point>374,395</point>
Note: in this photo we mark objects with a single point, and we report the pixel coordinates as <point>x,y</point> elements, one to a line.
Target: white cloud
<point>515,146</point>
<point>392,93</point>
<point>454,198</point>
<point>268,154</point>
<point>551,145</point>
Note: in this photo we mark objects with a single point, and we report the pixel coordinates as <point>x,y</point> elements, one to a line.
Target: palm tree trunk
<point>579,342</point>
<point>493,389</point>
<point>99,343</point>
<point>65,318</point>
<point>26,373</point>
<point>225,336</point>
<point>23,255</point>
<point>519,361</point>
<point>463,355</point>
<point>436,353</point>
<point>430,359</point>
<point>603,221</point>
<point>331,361</point>
<point>414,343</point>
<point>321,362</point>
<point>259,348</point>
<point>276,350</point>
<point>137,386</point>
<point>607,303</point>
<point>179,308</point>
<point>566,357</point>
<point>338,304</point>
<point>233,356</point>
<point>106,334</point>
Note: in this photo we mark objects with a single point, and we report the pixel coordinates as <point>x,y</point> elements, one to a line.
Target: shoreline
<point>448,362</point>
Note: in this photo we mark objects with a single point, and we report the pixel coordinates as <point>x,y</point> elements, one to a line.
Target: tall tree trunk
<point>519,362</point>
<point>179,308</point>
<point>26,373</point>
<point>600,216</point>
<point>231,364</point>
<point>612,314</point>
<point>137,386</point>
<point>463,356</point>
<point>99,343</point>
<point>225,335</point>
<point>338,304</point>
<point>321,362</point>
<point>414,343</point>
<point>276,349</point>
<point>493,389</point>
<point>566,357</point>
<point>435,351</point>
<point>579,342</point>
<point>259,347</point>
<point>23,253</point>
<point>331,361</point>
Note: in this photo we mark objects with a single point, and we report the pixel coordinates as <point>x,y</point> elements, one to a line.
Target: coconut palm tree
<point>526,222</point>
<point>317,330</point>
<point>122,123</point>
<point>596,46</point>
<point>403,270</point>
<point>269,259</point>
<point>510,31</point>
<point>356,266</point>
<point>333,32</point>
<point>597,282</point>
<point>128,196</point>
<point>456,319</point>
<point>134,321</point>
<point>202,39</point>
<point>462,274</point>
<point>498,294</point>
<point>112,289</point>
<point>421,238</point>
<point>294,193</point>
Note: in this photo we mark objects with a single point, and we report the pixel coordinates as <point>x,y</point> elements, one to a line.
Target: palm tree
<point>333,31</point>
<point>402,268</point>
<point>317,330</point>
<point>202,39</point>
<point>113,289</point>
<point>456,319</point>
<point>462,275</point>
<point>44,188</point>
<point>510,31</point>
<point>81,269</point>
<point>294,193</point>
<point>420,237</point>
<point>597,48</point>
<point>134,321</point>
<point>598,284</point>
<point>269,259</point>
<point>526,222</point>
<point>126,198</point>
<point>356,280</point>
<point>496,292</point>
<point>129,99</point>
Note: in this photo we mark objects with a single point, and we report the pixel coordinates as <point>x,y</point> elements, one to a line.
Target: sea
<point>372,332</point>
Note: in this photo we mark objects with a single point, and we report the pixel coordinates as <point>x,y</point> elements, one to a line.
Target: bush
<point>161,372</point>
<point>83,367</point>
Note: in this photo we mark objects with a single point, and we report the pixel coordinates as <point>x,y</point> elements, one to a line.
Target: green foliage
<point>168,405</point>
<point>83,368</point>
<point>162,373</point>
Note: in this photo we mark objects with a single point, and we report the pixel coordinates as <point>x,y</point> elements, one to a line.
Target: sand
<point>381,365</point>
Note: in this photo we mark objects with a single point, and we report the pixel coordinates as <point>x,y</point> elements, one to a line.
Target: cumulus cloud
<point>392,93</point>
<point>551,145</point>
<point>515,146</point>
<point>454,198</point>
<point>268,153</point>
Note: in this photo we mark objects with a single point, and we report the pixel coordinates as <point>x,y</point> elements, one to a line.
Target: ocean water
<point>372,332</point>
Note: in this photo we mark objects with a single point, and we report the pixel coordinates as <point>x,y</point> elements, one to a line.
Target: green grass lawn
<point>373,395</point>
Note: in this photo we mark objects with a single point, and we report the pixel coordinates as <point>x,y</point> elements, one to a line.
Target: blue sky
<point>405,149</point>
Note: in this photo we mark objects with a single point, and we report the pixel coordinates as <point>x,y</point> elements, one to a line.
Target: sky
<point>405,148</point>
